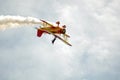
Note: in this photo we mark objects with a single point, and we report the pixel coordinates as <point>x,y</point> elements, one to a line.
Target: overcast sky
<point>94,26</point>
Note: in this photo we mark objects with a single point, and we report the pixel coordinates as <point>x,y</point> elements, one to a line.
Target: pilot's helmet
<point>64,26</point>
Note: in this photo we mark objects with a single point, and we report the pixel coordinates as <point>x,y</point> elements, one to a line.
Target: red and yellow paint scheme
<point>54,30</point>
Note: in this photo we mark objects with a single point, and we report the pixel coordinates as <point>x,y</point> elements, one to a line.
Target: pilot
<point>63,30</point>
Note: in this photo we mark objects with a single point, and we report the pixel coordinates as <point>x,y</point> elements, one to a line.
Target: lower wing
<point>62,39</point>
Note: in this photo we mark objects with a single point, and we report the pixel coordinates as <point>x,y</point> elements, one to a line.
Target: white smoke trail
<point>16,21</point>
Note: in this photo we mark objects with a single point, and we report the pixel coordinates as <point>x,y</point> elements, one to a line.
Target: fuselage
<point>55,30</point>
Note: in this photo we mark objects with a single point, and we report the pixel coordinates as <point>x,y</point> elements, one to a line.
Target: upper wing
<point>46,24</point>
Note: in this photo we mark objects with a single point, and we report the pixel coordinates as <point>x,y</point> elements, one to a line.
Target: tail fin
<point>39,33</point>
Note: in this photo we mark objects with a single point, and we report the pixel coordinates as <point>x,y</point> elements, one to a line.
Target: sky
<point>94,29</point>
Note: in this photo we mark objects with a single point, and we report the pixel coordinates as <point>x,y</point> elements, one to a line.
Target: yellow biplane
<point>56,31</point>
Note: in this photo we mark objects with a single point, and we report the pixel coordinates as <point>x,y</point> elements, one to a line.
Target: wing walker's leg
<point>54,40</point>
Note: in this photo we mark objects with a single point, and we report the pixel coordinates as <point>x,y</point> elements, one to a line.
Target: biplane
<point>55,30</point>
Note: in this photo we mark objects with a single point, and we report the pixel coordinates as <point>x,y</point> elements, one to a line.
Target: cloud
<point>94,29</point>
<point>96,38</point>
